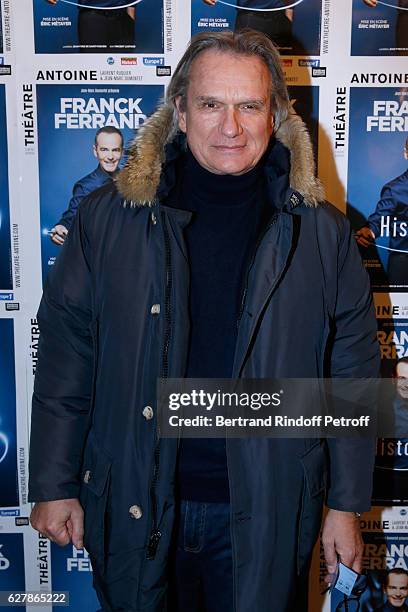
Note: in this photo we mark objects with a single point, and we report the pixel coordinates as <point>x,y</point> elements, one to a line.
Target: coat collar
<point>157,145</point>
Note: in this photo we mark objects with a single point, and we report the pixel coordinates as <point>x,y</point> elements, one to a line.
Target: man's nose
<point>231,125</point>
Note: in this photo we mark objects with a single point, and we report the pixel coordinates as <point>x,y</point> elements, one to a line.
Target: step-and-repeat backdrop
<point>68,69</point>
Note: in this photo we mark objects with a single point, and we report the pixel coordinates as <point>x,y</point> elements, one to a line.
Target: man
<point>155,280</point>
<point>102,29</point>
<point>276,23</point>
<point>390,219</point>
<point>396,591</point>
<point>401,31</point>
<point>108,150</point>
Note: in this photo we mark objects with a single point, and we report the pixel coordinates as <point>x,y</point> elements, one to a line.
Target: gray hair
<point>243,42</point>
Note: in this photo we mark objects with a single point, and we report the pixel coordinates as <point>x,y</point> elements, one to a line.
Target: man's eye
<point>209,105</point>
<point>249,107</point>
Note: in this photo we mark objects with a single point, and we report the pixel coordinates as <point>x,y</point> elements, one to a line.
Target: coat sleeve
<point>354,354</point>
<point>64,375</point>
<point>386,206</point>
<point>80,190</point>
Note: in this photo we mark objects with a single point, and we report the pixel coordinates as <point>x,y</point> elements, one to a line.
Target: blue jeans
<point>201,565</point>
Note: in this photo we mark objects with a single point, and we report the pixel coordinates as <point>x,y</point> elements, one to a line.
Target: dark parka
<point>114,317</point>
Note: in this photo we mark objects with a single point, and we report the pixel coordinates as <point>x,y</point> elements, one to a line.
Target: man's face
<point>108,151</point>
<point>228,118</point>
<point>402,380</point>
<point>397,589</point>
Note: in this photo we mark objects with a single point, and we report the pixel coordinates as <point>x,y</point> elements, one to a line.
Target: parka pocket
<point>314,464</point>
<point>94,497</point>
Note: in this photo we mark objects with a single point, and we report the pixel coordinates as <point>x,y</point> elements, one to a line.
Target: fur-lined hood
<point>139,180</point>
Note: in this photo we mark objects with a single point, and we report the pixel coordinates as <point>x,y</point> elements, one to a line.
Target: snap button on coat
<point>155,309</point>
<point>87,476</point>
<point>148,413</point>
<point>135,512</point>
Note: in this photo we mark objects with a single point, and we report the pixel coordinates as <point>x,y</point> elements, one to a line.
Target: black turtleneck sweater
<point>228,212</point>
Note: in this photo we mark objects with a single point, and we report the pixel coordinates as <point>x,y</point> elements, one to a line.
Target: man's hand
<point>58,234</point>
<point>62,521</point>
<point>210,2</point>
<point>342,541</point>
<point>371,3</point>
<point>364,236</point>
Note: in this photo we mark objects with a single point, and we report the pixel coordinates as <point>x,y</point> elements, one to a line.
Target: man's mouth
<point>229,148</point>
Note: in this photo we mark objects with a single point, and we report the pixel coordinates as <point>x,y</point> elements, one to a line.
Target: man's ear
<point>94,151</point>
<point>181,114</point>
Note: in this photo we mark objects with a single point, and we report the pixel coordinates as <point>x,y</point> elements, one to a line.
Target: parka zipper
<point>251,263</point>
<point>155,534</point>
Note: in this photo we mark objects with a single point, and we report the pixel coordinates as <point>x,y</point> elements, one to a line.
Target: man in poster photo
<point>108,150</point>
<point>102,29</point>
<point>401,30</point>
<point>213,255</point>
<point>276,24</point>
<point>400,375</point>
<point>390,219</point>
<point>396,591</point>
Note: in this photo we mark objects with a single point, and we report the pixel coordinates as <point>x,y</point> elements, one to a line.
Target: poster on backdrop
<point>83,133</point>
<point>6,280</point>
<point>384,585</point>
<point>377,191</point>
<point>98,26</point>
<point>12,576</point>
<point>305,102</point>
<point>383,588</point>
<point>379,27</point>
<point>390,483</point>
<point>8,435</point>
<point>71,571</point>
<point>294,25</point>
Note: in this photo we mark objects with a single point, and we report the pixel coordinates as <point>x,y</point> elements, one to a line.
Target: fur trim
<point>139,179</point>
<point>294,136</point>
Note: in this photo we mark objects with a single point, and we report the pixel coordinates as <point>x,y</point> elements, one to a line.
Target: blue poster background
<point>379,40</point>
<point>375,158</point>
<point>12,577</point>
<point>306,23</point>
<point>71,571</point>
<point>63,38</point>
<point>65,155</point>
<point>6,281</point>
<point>8,441</point>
